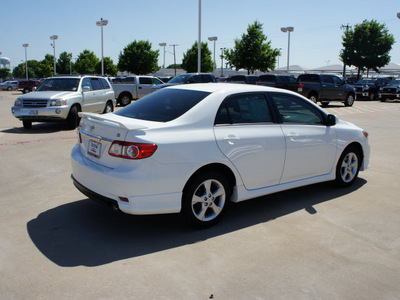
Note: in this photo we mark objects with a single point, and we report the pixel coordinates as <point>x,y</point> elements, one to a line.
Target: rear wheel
<point>27,124</point>
<point>349,100</point>
<point>124,99</point>
<point>313,97</point>
<point>9,88</point>
<point>73,118</point>
<point>348,167</point>
<point>205,199</point>
<point>108,108</point>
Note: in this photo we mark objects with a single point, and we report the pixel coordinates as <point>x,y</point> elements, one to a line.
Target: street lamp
<point>70,63</point>
<point>163,45</point>
<point>213,39</point>
<point>26,59</point>
<point>102,23</point>
<point>222,61</point>
<point>174,45</point>
<point>288,30</point>
<point>199,42</point>
<point>53,38</point>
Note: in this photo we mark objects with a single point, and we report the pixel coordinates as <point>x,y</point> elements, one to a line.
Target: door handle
<point>230,139</point>
<point>293,135</point>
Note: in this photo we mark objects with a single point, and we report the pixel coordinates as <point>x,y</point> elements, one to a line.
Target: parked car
<point>175,150</point>
<point>131,88</point>
<point>61,98</point>
<point>248,79</point>
<point>391,91</point>
<point>165,79</point>
<point>325,88</point>
<point>9,85</point>
<point>369,88</point>
<point>279,81</point>
<point>27,86</point>
<point>187,78</point>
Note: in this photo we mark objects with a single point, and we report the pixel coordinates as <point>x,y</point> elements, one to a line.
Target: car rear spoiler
<point>106,118</point>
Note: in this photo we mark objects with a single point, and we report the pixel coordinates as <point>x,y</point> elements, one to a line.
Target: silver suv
<point>61,98</point>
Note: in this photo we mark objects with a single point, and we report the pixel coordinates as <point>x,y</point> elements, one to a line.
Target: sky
<point>315,42</point>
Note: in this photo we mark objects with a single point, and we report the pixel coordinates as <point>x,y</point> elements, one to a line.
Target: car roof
<point>226,87</point>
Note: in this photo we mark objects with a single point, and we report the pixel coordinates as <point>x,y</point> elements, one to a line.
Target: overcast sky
<point>315,42</point>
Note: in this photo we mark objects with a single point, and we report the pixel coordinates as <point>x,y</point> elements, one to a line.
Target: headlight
<point>18,102</point>
<point>58,102</point>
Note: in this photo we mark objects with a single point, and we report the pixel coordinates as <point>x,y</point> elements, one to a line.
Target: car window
<point>245,108</point>
<point>266,78</point>
<point>156,81</point>
<point>308,78</point>
<point>326,79</point>
<point>293,109</point>
<point>337,80</point>
<point>86,82</point>
<point>96,84</point>
<point>291,79</point>
<point>105,83</point>
<point>145,80</point>
<point>59,84</point>
<point>163,106</point>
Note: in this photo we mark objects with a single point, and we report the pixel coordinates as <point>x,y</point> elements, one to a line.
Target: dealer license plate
<point>33,112</point>
<point>94,148</point>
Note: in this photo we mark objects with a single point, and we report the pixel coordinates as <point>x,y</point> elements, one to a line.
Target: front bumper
<point>40,113</point>
<point>389,95</point>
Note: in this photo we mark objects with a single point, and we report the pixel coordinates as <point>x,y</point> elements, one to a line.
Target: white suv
<point>61,98</point>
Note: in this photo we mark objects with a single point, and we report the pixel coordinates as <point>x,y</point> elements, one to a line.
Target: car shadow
<point>39,128</point>
<point>84,233</point>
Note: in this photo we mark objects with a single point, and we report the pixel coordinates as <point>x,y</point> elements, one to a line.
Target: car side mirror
<point>331,120</point>
<point>86,88</point>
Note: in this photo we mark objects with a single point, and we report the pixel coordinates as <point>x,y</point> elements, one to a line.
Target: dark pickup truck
<point>391,91</point>
<point>325,88</point>
<point>279,81</point>
<point>369,88</point>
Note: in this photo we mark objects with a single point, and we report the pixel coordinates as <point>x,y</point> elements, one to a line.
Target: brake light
<point>130,150</point>
<point>300,86</point>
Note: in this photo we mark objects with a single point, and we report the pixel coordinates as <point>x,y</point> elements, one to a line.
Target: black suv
<point>369,88</point>
<point>279,81</point>
<point>249,79</point>
<point>187,78</point>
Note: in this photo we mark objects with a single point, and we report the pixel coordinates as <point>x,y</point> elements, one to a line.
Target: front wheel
<point>349,100</point>
<point>348,167</point>
<point>9,88</point>
<point>205,199</point>
<point>371,96</point>
<point>124,99</point>
<point>73,118</point>
<point>27,124</point>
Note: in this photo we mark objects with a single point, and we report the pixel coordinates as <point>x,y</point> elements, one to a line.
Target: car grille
<point>34,103</point>
<point>359,89</point>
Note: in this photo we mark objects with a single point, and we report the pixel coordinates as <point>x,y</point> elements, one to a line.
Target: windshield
<point>365,81</point>
<point>394,82</point>
<point>163,106</point>
<point>179,79</point>
<point>60,84</point>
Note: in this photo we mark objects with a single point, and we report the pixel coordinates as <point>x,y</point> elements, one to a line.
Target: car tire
<point>348,167</point>
<point>124,99</point>
<point>26,91</point>
<point>371,96</point>
<point>313,97</point>
<point>205,199</point>
<point>73,118</point>
<point>349,100</point>
<point>325,103</point>
<point>108,108</point>
<point>27,124</point>
<point>9,88</point>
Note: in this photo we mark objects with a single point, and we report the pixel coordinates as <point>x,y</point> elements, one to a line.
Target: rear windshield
<point>163,106</point>
<point>266,78</point>
<point>308,78</point>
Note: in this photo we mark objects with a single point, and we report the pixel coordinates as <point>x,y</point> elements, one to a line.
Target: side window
<point>296,110</point>
<point>326,79</point>
<point>251,108</point>
<point>86,82</point>
<point>145,80</point>
<point>336,80</point>
<point>96,84</point>
<point>195,79</point>
<point>104,83</point>
<point>292,80</point>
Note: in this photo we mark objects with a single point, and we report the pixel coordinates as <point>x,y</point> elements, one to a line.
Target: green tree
<point>63,63</point>
<point>5,73</point>
<point>33,67</point>
<point>109,67</point>
<point>46,67</point>
<point>138,58</point>
<point>86,62</point>
<point>190,59</point>
<point>367,46</point>
<point>253,52</point>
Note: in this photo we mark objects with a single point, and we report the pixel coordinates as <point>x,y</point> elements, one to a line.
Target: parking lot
<point>315,242</point>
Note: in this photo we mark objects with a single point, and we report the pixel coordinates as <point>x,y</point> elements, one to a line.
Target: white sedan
<point>196,148</point>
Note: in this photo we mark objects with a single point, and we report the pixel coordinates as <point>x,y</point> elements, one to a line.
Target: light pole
<point>199,42</point>
<point>213,39</point>
<point>222,61</point>
<point>53,38</point>
<point>26,59</point>
<point>174,45</point>
<point>163,45</point>
<point>288,30</point>
<point>102,23</point>
<point>70,63</point>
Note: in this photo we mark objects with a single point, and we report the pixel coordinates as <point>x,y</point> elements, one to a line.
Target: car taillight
<point>130,150</point>
<point>300,86</point>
